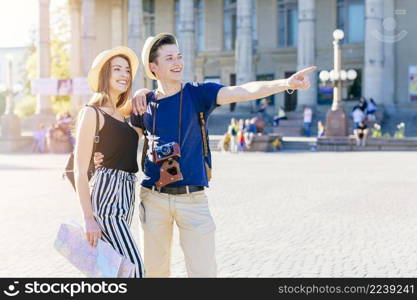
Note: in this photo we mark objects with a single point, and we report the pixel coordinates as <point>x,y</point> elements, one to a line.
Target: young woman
<point>108,206</point>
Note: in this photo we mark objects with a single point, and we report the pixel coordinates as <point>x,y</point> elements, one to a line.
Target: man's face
<point>169,63</point>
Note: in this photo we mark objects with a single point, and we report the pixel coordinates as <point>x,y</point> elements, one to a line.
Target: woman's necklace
<point>115,115</point>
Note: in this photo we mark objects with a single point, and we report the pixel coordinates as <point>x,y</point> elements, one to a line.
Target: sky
<point>15,22</point>
<point>17,17</point>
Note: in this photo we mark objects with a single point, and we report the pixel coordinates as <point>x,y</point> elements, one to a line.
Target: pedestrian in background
<point>361,134</point>
<point>308,117</point>
<point>371,110</point>
<point>363,104</point>
<point>358,116</point>
<point>280,116</point>
<point>320,129</point>
<point>40,139</point>
<point>232,130</point>
<point>249,132</point>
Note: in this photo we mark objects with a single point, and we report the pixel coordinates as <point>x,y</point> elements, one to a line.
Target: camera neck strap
<point>179,121</point>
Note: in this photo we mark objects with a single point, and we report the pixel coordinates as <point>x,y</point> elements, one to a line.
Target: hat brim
<point>103,57</point>
<point>150,41</point>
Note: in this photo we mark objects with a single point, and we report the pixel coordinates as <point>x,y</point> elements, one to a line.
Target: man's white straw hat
<point>150,41</point>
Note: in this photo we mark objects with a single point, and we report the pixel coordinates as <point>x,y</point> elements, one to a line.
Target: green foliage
<point>60,107</point>
<point>26,106</point>
<point>2,104</point>
<point>60,50</point>
<point>376,131</point>
<point>376,134</point>
<point>400,133</point>
<point>60,62</point>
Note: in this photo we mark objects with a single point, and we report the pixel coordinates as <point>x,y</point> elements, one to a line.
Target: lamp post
<point>336,121</point>
<point>9,121</point>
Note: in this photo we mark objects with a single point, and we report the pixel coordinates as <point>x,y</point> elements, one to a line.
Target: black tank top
<point>119,144</point>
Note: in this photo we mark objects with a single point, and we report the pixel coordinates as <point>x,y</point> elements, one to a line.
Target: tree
<point>60,61</point>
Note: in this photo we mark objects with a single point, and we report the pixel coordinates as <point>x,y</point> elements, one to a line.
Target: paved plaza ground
<point>289,214</point>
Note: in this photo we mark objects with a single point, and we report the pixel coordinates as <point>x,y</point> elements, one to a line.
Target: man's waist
<point>176,190</point>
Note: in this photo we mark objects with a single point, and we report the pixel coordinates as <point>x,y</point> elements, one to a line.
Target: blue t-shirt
<point>197,97</point>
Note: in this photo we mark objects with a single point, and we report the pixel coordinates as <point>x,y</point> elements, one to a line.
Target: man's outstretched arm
<point>260,89</point>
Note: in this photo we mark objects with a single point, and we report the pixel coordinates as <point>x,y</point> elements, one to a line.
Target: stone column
<point>75,59</point>
<point>10,123</point>
<point>306,50</point>
<point>186,38</point>
<point>244,48</point>
<point>374,51</point>
<point>88,36</point>
<point>43,103</point>
<point>116,23</point>
<point>135,37</point>
<point>389,26</point>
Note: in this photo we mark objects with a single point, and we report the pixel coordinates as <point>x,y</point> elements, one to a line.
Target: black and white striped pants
<point>113,200</point>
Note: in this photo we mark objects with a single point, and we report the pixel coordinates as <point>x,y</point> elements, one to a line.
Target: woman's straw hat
<point>103,57</point>
<point>150,41</point>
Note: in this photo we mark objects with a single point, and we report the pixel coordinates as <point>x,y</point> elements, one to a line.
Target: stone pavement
<point>291,214</point>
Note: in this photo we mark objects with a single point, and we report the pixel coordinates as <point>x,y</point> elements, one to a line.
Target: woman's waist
<point>115,146</point>
<point>116,155</point>
<point>123,174</point>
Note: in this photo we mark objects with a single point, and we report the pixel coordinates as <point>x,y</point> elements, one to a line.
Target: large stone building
<point>235,41</point>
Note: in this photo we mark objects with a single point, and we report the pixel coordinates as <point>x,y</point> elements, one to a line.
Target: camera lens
<point>166,150</point>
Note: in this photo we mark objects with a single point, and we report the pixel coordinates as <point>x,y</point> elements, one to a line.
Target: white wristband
<point>289,91</point>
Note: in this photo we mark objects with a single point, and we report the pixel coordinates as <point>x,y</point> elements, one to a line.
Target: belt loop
<point>188,189</point>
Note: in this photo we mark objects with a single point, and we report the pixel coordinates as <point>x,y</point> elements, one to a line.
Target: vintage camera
<point>170,172</point>
<point>166,151</point>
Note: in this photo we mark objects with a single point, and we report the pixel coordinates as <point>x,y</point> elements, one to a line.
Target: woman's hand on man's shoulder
<point>139,101</point>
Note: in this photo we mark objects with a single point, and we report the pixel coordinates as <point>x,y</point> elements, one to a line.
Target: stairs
<point>298,143</point>
<point>293,126</point>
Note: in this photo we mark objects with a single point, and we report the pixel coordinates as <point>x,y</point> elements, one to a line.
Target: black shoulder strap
<point>96,136</point>
<point>145,144</point>
<point>203,133</point>
<point>144,151</point>
<point>202,120</point>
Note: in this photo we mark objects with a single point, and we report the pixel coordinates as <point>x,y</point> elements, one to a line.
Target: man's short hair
<point>165,40</point>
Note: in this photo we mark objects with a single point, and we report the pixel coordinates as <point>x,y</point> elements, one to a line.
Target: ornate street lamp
<point>336,121</point>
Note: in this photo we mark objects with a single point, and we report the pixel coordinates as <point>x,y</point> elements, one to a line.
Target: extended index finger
<point>306,71</point>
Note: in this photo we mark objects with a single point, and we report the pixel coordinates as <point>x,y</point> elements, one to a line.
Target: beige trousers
<point>158,211</point>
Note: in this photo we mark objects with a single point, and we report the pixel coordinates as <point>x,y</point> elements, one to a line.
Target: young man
<point>184,201</point>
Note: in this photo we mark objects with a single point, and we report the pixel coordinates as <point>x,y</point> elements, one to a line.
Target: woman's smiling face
<point>120,75</point>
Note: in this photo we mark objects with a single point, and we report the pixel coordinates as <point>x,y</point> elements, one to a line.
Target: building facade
<point>236,41</point>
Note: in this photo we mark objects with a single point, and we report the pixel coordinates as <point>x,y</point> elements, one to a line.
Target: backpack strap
<point>92,167</point>
<point>203,133</point>
<point>205,138</point>
<point>96,136</point>
<point>206,149</point>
